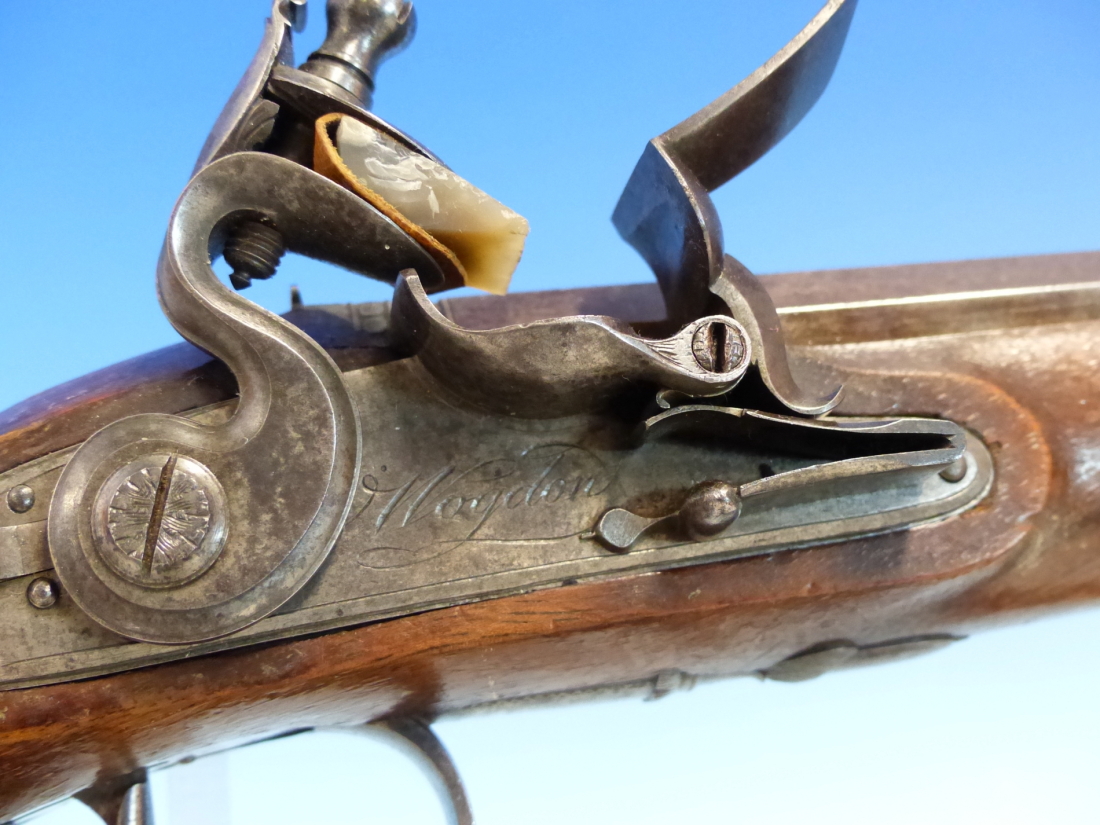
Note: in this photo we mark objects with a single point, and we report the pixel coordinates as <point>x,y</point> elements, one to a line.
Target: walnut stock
<point>1023,381</point>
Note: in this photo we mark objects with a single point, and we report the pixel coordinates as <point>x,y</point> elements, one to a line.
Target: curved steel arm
<point>746,299</point>
<point>726,137</point>
<point>283,464</point>
<point>666,213</point>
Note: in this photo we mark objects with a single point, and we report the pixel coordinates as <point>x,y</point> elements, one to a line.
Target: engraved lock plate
<point>455,505</point>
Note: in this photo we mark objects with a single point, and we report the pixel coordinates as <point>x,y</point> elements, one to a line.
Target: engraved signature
<point>546,492</point>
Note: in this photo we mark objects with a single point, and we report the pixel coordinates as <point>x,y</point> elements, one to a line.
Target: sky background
<point>952,129</point>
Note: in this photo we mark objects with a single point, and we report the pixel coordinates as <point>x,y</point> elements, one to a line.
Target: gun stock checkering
<point>392,511</point>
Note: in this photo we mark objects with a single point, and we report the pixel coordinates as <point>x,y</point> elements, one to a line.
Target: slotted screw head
<point>718,347</point>
<point>160,521</point>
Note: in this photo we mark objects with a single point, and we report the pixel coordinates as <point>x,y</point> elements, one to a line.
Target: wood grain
<point>1032,395</point>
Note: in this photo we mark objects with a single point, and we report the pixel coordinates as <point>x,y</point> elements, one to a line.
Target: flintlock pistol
<point>378,514</point>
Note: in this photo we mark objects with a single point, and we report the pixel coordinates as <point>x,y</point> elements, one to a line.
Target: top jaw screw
<point>361,34</point>
<point>254,250</point>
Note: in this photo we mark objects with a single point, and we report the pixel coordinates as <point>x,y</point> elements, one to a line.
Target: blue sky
<point>952,129</point>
